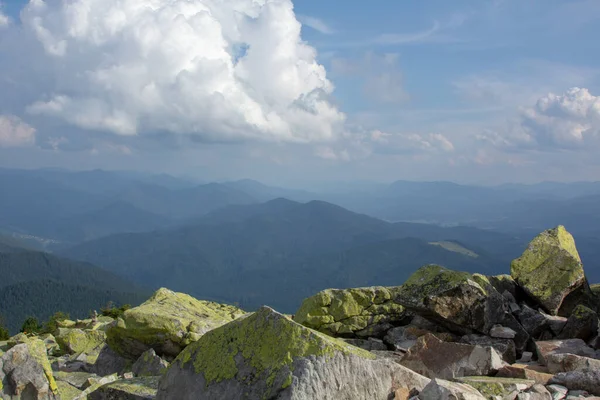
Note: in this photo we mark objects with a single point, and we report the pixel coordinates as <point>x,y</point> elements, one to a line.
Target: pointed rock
<point>149,364</point>
<point>266,355</point>
<point>439,389</point>
<point>550,268</point>
<point>167,322</point>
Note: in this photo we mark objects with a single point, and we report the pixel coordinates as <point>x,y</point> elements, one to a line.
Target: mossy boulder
<point>25,372</point>
<point>550,268</point>
<point>77,341</point>
<point>127,389</point>
<point>460,301</point>
<point>267,356</point>
<point>149,364</point>
<point>167,322</point>
<point>67,392</point>
<point>582,324</point>
<point>351,312</point>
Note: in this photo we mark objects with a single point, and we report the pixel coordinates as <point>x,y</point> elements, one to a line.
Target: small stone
<point>502,332</point>
<point>526,357</point>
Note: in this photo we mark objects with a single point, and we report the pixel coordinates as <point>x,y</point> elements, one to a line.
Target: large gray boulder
<point>565,362</point>
<point>149,364</point>
<point>25,373</point>
<point>582,324</point>
<point>460,301</point>
<point>588,380</point>
<point>435,358</point>
<point>267,355</point>
<point>550,268</point>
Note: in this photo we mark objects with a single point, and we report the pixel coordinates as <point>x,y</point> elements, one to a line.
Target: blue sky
<point>468,91</point>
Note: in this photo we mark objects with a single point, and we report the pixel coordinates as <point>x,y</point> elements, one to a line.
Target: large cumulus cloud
<point>220,70</point>
<point>570,120</point>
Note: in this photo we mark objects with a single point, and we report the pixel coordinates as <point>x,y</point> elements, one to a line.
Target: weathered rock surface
<point>79,380</point>
<point>371,344</point>
<point>569,362</point>
<point>167,322</point>
<point>439,389</point>
<point>581,324</point>
<point>572,346</point>
<point>435,358</point>
<point>266,355</point>
<point>550,268</point>
<point>460,301</point>
<point>588,380</point>
<point>351,312</point>
<point>149,364</point>
<point>67,392</point>
<point>127,389</point>
<point>25,373</point>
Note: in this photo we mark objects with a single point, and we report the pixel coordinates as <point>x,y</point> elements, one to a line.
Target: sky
<point>482,91</point>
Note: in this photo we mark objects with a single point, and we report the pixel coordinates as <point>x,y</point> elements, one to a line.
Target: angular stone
<point>77,341</point>
<point>534,322</point>
<point>550,268</point>
<point>572,346</point>
<point>149,364</point>
<point>351,312</point>
<point>143,388</point>
<point>501,332</point>
<point>582,324</point>
<point>588,380</point>
<point>496,386</point>
<point>25,372</point>
<point>167,322</point>
<point>521,338</point>
<point>505,283</point>
<point>267,355</point>
<point>520,371</point>
<point>435,358</point>
<point>570,362</point>
<point>505,347</point>
<point>462,302</point>
<point>79,380</point>
<point>526,357</point>
<point>440,389</point>
<point>95,384</point>
<point>537,392</point>
<point>404,337</point>
<point>108,362</point>
<point>67,392</point>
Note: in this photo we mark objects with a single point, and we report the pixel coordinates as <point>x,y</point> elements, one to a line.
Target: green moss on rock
<point>66,391</point>
<point>347,311</point>
<point>77,341</point>
<point>550,268</point>
<point>167,322</point>
<point>493,386</point>
<point>266,341</point>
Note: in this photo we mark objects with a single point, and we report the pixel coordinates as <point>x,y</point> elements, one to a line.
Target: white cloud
<point>399,143</point>
<point>316,24</point>
<point>567,121</point>
<point>4,19</point>
<point>222,71</point>
<point>14,132</point>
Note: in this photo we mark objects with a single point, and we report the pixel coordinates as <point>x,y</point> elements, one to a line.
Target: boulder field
<point>442,334</point>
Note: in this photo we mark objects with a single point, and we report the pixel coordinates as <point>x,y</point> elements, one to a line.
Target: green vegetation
<point>31,325</point>
<point>110,310</point>
<point>4,334</point>
<point>52,324</point>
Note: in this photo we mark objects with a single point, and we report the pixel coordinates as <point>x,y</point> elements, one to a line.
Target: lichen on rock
<point>167,322</point>
<point>550,268</point>
<point>350,312</point>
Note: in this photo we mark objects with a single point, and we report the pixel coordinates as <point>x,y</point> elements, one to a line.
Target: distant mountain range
<point>280,251</point>
<point>39,284</point>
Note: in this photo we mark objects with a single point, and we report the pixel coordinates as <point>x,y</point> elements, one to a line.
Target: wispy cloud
<point>316,24</point>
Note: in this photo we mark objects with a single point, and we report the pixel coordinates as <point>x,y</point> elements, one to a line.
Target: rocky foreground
<point>443,334</point>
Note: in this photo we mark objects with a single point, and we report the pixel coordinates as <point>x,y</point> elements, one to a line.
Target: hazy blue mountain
<point>279,251</point>
<point>39,284</point>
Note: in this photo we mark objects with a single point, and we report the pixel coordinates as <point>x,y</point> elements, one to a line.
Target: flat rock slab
<point>496,386</point>
<point>572,346</point>
<point>570,362</point>
<point>143,388</point>
<point>588,380</point>
<point>518,371</point>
